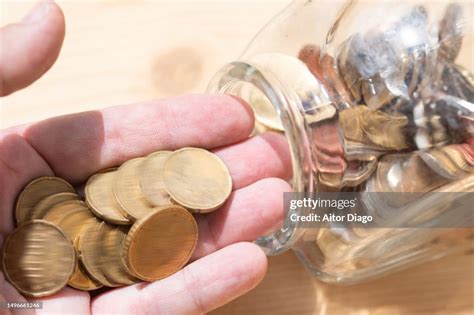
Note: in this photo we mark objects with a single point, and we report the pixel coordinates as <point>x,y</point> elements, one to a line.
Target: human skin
<point>225,264</point>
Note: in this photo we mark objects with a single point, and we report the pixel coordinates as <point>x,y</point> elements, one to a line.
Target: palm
<point>75,146</point>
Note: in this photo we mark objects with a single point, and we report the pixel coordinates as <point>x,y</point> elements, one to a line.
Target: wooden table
<point>125,51</point>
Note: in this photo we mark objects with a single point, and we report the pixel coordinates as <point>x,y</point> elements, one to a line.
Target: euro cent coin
<point>38,258</point>
<point>197,179</point>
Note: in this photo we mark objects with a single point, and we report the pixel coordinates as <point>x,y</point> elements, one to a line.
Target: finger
<point>197,289</point>
<point>29,48</point>
<point>75,146</point>
<point>251,212</point>
<point>65,301</point>
<point>9,294</point>
<point>266,155</point>
<point>19,163</point>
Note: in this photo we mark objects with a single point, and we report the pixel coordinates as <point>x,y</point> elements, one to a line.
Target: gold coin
<point>100,197</point>
<point>350,122</point>
<point>38,258</point>
<point>92,254</point>
<point>35,191</point>
<point>74,223</point>
<point>127,190</point>
<point>456,155</point>
<point>358,172</point>
<point>113,267</point>
<point>80,279</point>
<point>161,243</point>
<point>197,179</point>
<point>74,217</point>
<point>151,179</point>
<point>42,207</point>
<point>56,213</point>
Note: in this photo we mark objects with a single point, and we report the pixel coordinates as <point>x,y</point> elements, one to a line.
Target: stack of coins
<point>135,224</point>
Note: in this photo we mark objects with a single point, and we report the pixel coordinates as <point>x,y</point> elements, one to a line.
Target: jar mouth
<point>241,79</point>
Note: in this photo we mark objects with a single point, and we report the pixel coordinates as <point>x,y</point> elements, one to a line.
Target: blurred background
<point>118,52</point>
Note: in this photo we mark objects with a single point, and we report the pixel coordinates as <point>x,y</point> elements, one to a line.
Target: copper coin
<point>38,258</point>
<point>151,179</point>
<point>80,278</point>
<point>197,179</point>
<point>42,207</point>
<point>92,254</point>
<point>37,190</point>
<point>56,213</point>
<point>74,217</point>
<point>127,190</point>
<point>112,266</point>
<point>161,243</point>
<point>100,197</point>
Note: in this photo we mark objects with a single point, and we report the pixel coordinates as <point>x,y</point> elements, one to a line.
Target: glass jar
<point>372,96</point>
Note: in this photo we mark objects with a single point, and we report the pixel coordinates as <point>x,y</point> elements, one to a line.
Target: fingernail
<point>39,12</point>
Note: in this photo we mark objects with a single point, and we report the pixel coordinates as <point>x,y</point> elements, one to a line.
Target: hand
<point>224,265</point>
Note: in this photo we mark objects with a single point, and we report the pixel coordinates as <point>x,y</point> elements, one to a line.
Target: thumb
<point>29,48</point>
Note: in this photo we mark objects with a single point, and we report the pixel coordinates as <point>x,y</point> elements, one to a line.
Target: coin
<point>91,252</point>
<point>375,128</point>
<point>449,161</point>
<point>458,81</point>
<point>42,207</point>
<point>348,68</point>
<point>56,213</point>
<point>450,33</point>
<point>387,62</point>
<point>350,122</point>
<point>74,221</point>
<point>406,173</point>
<point>80,279</point>
<point>37,190</point>
<point>375,92</point>
<point>161,243</point>
<point>385,130</point>
<point>358,172</point>
<point>127,190</point>
<point>100,197</point>
<point>151,179</point>
<point>32,264</point>
<point>197,179</point>
<point>112,266</point>
<point>323,67</point>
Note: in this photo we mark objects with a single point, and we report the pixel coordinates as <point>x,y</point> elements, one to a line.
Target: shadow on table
<point>445,286</point>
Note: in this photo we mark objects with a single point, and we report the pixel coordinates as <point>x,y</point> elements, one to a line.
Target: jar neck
<point>298,113</point>
<point>252,84</point>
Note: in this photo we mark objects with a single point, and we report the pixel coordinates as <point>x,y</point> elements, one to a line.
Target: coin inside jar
<point>161,243</point>
<point>37,190</point>
<point>32,265</point>
<point>151,179</point>
<point>99,193</point>
<point>127,190</point>
<point>197,179</point>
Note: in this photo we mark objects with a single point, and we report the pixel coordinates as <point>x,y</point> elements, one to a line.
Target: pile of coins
<point>387,109</point>
<point>135,224</point>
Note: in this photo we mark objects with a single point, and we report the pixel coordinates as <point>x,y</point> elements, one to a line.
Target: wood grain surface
<point>125,51</point>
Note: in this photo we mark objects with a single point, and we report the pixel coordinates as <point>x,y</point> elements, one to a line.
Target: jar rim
<point>296,132</point>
